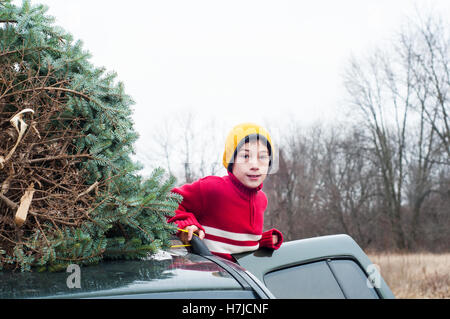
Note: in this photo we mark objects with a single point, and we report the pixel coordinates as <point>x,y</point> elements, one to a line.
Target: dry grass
<point>420,275</point>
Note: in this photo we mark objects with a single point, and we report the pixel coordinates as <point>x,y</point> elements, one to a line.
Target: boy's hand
<point>275,239</point>
<point>186,237</point>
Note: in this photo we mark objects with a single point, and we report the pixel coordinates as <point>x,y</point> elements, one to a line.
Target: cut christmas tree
<point>69,191</point>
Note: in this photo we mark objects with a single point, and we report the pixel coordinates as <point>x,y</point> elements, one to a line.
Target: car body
<point>331,267</point>
<point>321,267</point>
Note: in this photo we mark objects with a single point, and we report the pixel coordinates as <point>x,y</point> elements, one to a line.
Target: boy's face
<point>252,163</point>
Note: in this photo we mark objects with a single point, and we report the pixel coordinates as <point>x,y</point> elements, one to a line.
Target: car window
<point>333,279</point>
<point>352,279</point>
<point>313,280</point>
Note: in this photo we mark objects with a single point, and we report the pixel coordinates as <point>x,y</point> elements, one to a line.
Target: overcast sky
<point>238,60</point>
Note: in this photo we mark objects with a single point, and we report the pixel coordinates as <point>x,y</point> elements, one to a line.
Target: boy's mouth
<point>254,177</point>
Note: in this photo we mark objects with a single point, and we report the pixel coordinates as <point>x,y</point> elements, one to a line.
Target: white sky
<point>237,60</point>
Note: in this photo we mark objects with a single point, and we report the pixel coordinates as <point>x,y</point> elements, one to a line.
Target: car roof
<point>301,251</point>
<point>292,253</point>
<point>189,272</point>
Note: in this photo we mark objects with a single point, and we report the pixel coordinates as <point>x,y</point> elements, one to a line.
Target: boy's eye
<point>243,157</point>
<point>263,158</point>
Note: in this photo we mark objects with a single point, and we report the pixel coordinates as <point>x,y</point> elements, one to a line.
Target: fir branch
<point>48,88</point>
<point>9,202</point>
<point>44,216</point>
<point>51,158</point>
<point>40,228</point>
<point>22,50</point>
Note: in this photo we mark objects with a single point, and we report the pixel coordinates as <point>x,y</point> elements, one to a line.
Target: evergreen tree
<point>73,149</point>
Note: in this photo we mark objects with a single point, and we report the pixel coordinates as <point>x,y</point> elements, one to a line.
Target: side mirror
<point>198,247</point>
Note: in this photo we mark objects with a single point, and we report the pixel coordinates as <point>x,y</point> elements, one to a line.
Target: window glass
<point>352,279</point>
<point>313,280</point>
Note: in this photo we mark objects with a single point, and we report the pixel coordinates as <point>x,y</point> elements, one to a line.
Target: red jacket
<point>230,214</point>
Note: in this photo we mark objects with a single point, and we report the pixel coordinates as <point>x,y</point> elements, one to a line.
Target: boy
<point>228,212</point>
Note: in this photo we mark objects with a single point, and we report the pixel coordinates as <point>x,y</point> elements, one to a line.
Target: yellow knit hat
<point>237,134</point>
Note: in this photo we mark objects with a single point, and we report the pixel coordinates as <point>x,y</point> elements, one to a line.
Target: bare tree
<point>429,45</point>
<point>166,142</point>
<point>349,183</point>
<point>402,96</point>
<point>185,122</point>
<point>366,85</point>
<point>293,192</point>
<point>188,145</point>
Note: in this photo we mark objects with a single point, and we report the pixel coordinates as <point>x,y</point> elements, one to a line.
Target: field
<point>419,275</point>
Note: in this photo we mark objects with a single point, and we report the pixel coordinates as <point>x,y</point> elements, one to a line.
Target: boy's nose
<point>254,166</point>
